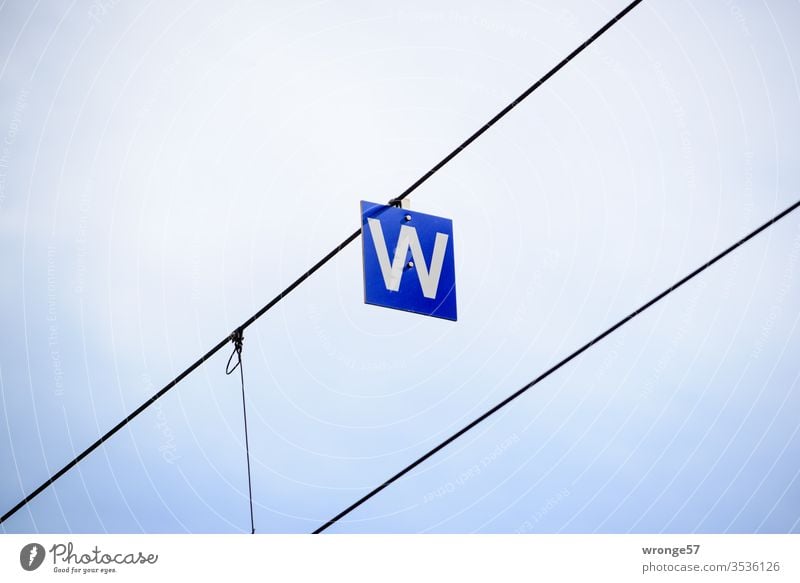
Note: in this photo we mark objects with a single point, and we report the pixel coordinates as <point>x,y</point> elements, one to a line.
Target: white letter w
<point>428,279</point>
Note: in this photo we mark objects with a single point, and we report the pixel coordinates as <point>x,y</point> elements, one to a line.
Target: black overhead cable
<point>238,339</point>
<point>551,370</point>
<point>319,263</point>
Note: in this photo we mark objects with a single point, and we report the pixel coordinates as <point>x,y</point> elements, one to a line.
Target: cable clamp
<point>401,203</point>
<point>237,337</point>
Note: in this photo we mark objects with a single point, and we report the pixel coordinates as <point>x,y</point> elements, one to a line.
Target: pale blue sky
<point>167,168</point>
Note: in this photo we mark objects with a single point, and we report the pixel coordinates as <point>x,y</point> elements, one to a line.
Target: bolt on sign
<point>409,262</point>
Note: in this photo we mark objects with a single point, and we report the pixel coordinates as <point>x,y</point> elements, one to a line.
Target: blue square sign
<point>408,260</point>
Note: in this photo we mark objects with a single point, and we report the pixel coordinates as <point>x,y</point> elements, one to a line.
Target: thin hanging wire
<point>238,340</point>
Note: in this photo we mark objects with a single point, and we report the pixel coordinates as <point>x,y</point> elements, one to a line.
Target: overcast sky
<point>167,168</point>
